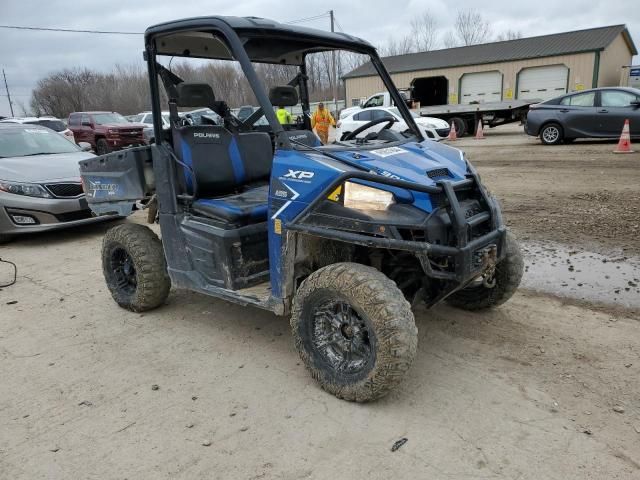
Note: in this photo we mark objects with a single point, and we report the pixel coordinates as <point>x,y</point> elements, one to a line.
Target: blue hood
<point>412,161</point>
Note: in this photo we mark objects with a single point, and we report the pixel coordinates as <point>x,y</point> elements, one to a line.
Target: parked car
<point>53,123</point>
<point>380,99</point>
<point>105,131</point>
<point>432,128</point>
<point>595,113</point>
<point>40,186</point>
<point>146,118</point>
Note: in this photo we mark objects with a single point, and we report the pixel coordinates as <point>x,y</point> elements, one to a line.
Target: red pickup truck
<point>105,131</point>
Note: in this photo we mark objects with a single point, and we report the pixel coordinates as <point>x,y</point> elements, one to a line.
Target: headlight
<point>26,189</point>
<point>362,197</point>
<point>112,131</point>
<point>428,125</point>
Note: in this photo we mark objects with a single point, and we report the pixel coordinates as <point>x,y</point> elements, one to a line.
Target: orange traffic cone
<point>624,145</point>
<point>479,132</point>
<point>452,133</point>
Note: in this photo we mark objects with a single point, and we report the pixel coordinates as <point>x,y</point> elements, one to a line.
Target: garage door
<point>481,87</point>
<point>542,82</point>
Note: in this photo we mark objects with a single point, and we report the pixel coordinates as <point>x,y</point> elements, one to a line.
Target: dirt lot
<point>577,194</point>
<point>537,389</point>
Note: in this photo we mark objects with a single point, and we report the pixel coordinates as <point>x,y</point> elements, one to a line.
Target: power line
<point>308,19</point>
<point>69,30</point>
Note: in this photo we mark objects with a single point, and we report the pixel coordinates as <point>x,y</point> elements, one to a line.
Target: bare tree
<point>470,29</point>
<point>423,32</point>
<point>509,35</point>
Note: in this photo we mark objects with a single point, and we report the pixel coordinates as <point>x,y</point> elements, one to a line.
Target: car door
<point>616,106</point>
<point>86,130</point>
<point>358,120</point>
<point>578,115</point>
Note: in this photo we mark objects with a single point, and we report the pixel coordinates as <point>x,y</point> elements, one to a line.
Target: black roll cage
<point>250,28</point>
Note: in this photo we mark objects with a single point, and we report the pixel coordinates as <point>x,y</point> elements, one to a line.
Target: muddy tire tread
<point>145,249</point>
<point>508,275</point>
<point>388,311</point>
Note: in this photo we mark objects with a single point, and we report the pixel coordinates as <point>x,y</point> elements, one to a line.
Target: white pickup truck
<point>380,99</point>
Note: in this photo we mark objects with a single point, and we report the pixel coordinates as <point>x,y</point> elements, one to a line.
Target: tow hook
<point>489,262</point>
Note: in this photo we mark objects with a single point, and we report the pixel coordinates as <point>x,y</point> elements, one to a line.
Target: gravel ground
<point>199,388</point>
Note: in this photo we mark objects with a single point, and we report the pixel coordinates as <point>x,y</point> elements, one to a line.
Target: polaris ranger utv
<point>343,237</point>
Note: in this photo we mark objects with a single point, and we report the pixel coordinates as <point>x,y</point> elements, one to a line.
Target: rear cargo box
<point>115,181</point>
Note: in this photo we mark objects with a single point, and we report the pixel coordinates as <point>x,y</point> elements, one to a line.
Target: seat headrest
<point>283,96</point>
<point>191,94</point>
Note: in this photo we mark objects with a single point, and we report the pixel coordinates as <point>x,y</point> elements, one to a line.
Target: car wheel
<point>102,147</point>
<point>551,134</point>
<point>354,331</point>
<point>461,126</point>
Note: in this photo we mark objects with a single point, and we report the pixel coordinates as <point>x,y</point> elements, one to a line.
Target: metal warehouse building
<point>527,68</point>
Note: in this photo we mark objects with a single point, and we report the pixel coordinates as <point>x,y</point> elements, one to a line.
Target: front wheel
<point>551,134</point>
<point>102,147</point>
<point>134,267</point>
<point>354,331</point>
<point>481,294</point>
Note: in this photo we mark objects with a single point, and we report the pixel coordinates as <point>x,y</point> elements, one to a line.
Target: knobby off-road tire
<point>507,277</point>
<point>372,325</point>
<point>134,267</point>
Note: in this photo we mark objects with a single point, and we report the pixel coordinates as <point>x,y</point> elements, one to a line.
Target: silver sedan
<point>40,186</point>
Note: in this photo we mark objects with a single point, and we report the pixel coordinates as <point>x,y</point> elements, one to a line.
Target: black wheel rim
<point>342,337</point>
<point>124,271</point>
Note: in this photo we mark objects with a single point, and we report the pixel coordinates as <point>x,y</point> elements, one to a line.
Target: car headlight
<point>113,131</point>
<point>428,125</point>
<point>26,189</point>
<point>362,197</point>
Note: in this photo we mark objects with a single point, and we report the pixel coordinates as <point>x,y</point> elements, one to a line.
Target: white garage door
<point>542,82</point>
<point>481,87</point>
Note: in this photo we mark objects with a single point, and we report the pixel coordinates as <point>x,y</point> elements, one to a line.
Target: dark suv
<point>105,131</point>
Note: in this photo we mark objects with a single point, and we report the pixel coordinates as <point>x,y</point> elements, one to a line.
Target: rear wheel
<point>354,331</point>
<point>461,126</point>
<point>134,267</point>
<point>102,147</point>
<point>551,134</point>
<point>487,293</point>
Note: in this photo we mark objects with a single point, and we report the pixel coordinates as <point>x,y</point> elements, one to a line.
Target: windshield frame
<point>235,40</point>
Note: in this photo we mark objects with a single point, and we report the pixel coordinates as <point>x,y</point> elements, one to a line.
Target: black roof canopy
<point>264,40</point>
<point>580,41</point>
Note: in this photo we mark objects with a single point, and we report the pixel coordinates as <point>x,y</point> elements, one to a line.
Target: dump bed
<point>115,181</point>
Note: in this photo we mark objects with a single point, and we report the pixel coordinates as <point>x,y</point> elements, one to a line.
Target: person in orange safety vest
<point>321,120</point>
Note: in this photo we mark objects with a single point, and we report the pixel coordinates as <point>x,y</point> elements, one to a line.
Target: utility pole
<point>333,67</point>
<point>9,95</point>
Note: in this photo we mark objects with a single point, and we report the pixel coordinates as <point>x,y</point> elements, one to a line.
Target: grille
<point>438,172</point>
<point>65,189</point>
<point>131,133</point>
<point>72,216</point>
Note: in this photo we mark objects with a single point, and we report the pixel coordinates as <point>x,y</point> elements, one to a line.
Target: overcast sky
<point>26,56</point>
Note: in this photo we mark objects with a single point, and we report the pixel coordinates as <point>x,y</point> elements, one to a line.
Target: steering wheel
<point>389,120</point>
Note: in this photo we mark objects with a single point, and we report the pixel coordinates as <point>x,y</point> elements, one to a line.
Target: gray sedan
<point>595,113</point>
<point>40,185</point>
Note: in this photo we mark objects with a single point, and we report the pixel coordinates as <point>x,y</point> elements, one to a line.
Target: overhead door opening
<point>430,90</point>
<point>481,87</point>
<point>542,83</point>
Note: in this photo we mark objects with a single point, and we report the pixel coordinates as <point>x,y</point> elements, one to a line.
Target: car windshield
<point>55,125</point>
<point>21,142</point>
<point>165,118</point>
<point>105,118</point>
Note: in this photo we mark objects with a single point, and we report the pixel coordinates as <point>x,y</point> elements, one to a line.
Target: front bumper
<point>475,240</point>
<point>48,213</point>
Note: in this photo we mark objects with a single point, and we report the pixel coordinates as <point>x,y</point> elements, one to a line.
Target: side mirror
<point>635,103</point>
<point>87,124</point>
<point>85,146</point>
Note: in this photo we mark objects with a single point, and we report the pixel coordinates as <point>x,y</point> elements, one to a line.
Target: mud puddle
<point>554,268</point>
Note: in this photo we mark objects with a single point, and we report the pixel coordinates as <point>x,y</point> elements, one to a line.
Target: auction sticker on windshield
<point>387,152</point>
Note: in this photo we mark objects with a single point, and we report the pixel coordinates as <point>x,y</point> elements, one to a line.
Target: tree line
<point>125,88</point>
